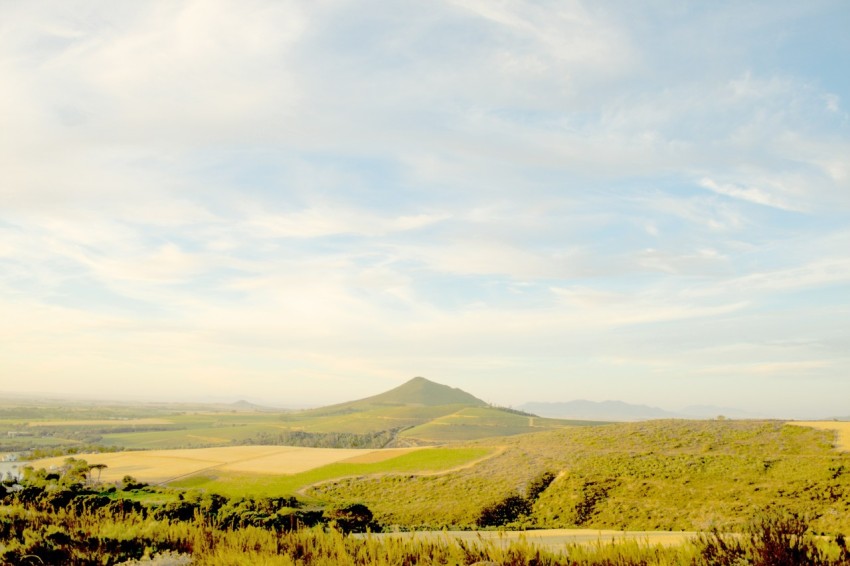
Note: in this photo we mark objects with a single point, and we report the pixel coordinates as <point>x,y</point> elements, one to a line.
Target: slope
<point>416,392</point>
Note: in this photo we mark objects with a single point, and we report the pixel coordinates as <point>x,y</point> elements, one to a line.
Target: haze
<point>311,202</point>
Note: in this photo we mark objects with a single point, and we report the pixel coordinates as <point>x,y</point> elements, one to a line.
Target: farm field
<point>267,470</point>
<point>162,466</point>
<point>426,462</point>
<point>841,428</point>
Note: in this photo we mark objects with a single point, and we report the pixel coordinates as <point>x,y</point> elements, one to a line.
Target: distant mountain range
<point>621,411</point>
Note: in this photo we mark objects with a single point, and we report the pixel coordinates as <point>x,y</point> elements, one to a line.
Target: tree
<point>99,468</point>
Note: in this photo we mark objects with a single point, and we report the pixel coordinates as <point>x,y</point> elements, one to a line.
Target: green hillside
<point>414,413</point>
<point>656,475</point>
<point>470,423</point>
<point>416,392</point>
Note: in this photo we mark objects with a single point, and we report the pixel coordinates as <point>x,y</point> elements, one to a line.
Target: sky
<point>309,202</point>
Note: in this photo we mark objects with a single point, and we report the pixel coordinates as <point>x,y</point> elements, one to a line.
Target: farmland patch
<point>842,429</point>
<point>160,466</point>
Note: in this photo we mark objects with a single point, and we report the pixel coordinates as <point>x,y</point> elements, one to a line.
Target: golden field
<point>160,466</point>
<point>842,428</point>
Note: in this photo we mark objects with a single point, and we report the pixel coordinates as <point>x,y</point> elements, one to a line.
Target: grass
<point>424,461</point>
<point>659,475</point>
<point>841,428</point>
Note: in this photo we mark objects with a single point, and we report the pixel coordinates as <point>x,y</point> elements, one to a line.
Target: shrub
<point>774,538</point>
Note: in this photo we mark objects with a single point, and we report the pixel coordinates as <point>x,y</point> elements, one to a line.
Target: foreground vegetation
<point>56,518</point>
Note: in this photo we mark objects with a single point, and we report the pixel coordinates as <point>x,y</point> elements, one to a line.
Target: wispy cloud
<point>750,194</point>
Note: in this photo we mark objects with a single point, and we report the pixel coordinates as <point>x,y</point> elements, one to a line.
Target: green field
<point>425,461</point>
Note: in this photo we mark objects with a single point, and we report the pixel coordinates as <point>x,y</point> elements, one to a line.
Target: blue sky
<point>307,202</point>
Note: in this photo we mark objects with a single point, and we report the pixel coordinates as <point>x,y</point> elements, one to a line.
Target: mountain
<point>420,411</point>
<point>418,392</point>
<point>597,410</point>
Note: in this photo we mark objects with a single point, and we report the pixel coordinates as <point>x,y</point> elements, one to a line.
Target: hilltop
<point>418,392</point>
<point>421,411</point>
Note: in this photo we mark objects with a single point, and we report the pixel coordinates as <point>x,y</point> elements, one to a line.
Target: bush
<point>774,538</point>
<point>356,518</point>
<point>505,511</point>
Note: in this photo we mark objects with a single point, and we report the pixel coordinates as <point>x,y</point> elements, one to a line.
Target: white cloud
<point>750,194</point>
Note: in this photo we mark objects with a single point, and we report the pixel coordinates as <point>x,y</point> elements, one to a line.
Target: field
<point>267,470</point>
<point>162,466</point>
<point>841,428</point>
<point>428,462</point>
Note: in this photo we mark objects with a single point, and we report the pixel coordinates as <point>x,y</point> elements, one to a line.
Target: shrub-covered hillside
<point>679,475</point>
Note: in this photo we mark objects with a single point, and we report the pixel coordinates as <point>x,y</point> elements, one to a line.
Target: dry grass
<point>841,427</point>
<point>159,466</point>
<point>549,539</point>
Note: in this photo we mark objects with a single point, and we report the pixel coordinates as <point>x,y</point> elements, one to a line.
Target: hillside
<point>416,392</point>
<point>418,412</point>
<point>424,412</point>
<point>654,475</point>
